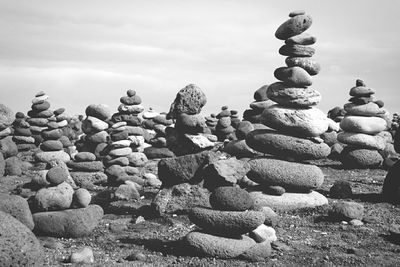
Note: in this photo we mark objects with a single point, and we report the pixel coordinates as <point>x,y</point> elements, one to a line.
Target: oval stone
<point>230,198</point>
<point>295,50</point>
<point>361,140</point>
<point>292,96</point>
<point>361,124</point>
<point>93,124</point>
<point>307,63</point>
<point>100,111</point>
<point>54,198</point>
<point>361,91</point>
<point>294,177</point>
<point>309,122</point>
<point>51,145</point>
<point>293,26</point>
<point>369,109</point>
<point>286,146</point>
<point>261,93</point>
<point>360,158</point>
<point>293,76</point>
<point>302,39</point>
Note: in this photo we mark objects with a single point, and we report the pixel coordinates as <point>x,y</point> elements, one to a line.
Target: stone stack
<point>211,122</point>
<point>6,121</point>
<point>235,120</point>
<point>63,120</point>
<point>159,126</point>
<point>39,115</point>
<point>363,129</point>
<point>296,126</point>
<point>22,133</point>
<point>224,129</point>
<point>260,103</point>
<point>190,134</point>
<point>129,109</point>
<point>225,229</point>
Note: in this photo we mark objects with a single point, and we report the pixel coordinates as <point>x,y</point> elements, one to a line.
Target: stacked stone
<point>363,129</point>
<point>224,129</point>
<point>211,122</point>
<point>63,119</point>
<point>227,229</point>
<point>61,211</point>
<point>39,116</point>
<point>6,121</point>
<point>297,126</point>
<point>129,109</point>
<point>190,134</point>
<point>22,133</point>
<point>260,103</point>
<point>159,126</point>
<point>235,120</point>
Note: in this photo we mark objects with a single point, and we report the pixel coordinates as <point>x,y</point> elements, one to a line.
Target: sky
<point>92,52</point>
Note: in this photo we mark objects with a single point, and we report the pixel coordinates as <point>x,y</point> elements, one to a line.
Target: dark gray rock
<point>231,198</point>
<point>17,207</point>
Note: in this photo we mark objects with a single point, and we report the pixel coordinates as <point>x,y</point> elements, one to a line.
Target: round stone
<point>361,140</point>
<point>293,76</point>
<point>293,26</point>
<point>295,50</point>
<point>261,93</point>
<point>81,198</point>
<point>294,177</point>
<point>224,122</point>
<point>230,198</point>
<point>361,124</point>
<point>286,146</point>
<point>292,96</point>
<point>40,107</point>
<point>226,223</point>
<point>59,111</point>
<point>131,92</point>
<point>301,39</point>
<point>309,122</point>
<point>307,63</point>
<point>190,123</point>
<point>131,100</point>
<point>360,158</point>
<point>54,198</point>
<point>57,175</point>
<point>379,103</point>
<point>341,189</point>
<point>100,111</point>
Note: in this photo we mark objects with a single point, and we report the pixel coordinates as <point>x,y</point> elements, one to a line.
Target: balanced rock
<point>293,26</point>
<point>369,109</point>
<point>54,198</point>
<point>361,124</point>
<point>288,95</point>
<point>100,111</point>
<point>292,176</point>
<point>189,100</point>
<point>231,198</point>
<point>293,76</point>
<point>287,146</point>
<point>362,140</point>
<point>307,63</point>
<point>309,122</point>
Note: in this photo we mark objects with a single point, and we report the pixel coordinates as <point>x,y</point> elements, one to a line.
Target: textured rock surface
<point>68,223</point>
<point>18,245</point>
<point>231,198</point>
<point>17,207</point>
<point>188,100</point>
<point>54,198</point>
<point>360,158</point>
<point>346,210</point>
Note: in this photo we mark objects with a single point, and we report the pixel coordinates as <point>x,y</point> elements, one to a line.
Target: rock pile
<point>22,133</point>
<point>363,128</point>
<point>224,129</point>
<point>297,126</point>
<point>260,103</point>
<point>190,134</point>
<point>39,115</point>
<point>225,229</point>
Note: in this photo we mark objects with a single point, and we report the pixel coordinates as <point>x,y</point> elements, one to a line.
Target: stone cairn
<point>260,103</point>
<point>363,129</point>
<point>231,228</point>
<point>60,208</point>
<point>224,129</point>
<point>296,126</point>
<point>211,122</point>
<point>190,134</point>
<point>38,116</point>
<point>22,133</point>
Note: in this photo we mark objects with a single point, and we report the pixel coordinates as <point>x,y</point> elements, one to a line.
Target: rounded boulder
<point>231,198</point>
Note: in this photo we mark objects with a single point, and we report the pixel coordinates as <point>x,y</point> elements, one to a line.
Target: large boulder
<point>295,177</point>
<point>286,146</point>
<point>68,223</point>
<point>19,246</point>
<point>189,100</point>
<point>17,207</point>
<point>352,157</point>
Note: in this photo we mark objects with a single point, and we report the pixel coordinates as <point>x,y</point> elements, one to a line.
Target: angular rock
<point>340,190</point>
<point>189,100</point>
<point>82,256</point>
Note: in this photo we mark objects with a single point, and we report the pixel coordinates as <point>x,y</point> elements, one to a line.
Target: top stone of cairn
<point>293,26</point>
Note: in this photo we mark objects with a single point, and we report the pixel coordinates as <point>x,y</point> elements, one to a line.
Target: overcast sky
<point>91,52</point>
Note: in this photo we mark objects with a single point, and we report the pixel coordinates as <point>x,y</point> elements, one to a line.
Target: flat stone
<point>230,198</point>
<point>120,152</point>
<point>215,246</point>
<point>257,253</point>
<point>289,96</point>
<point>294,177</point>
<point>240,149</point>
<point>361,140</point>
<point>56,175</point>
<point>130,109</point>
<point>361,100</point>
<point>51,145</point>
<point>19,246</point>
<point>295,50</point>
<point>24,139</point>
<point>41,122</point>
<point>17,207</point>
<point>158,152</point>
<point>40,106</point>
<point>289,201</point>
<point>293,26</point>
<point>360,124</point>
<point>88,179</point>
<point>68,223</point>
<point>189,100</point>
<point>131,100</point>
<point>369,109</point>
<point>361,91</point>
<point>301,39</point>
<point>93,124</point>
<point>85,156</point>
<point>310,122</point>
<point>261,105</point>
<point>360,158</point>
<point>53,134</point>
<point>48,156</point>
<point>293,76</point>
<point>86,166</point>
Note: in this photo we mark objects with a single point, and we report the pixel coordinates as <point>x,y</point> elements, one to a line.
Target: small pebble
<point>85,255</point>
<point>136,256</point>
<point>356,222</point>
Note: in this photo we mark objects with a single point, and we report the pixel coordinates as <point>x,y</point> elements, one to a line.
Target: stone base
<point>289,201</point>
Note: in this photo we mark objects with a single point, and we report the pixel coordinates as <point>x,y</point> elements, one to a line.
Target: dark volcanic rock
<point>188,100</point>
<point>231,198</point>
